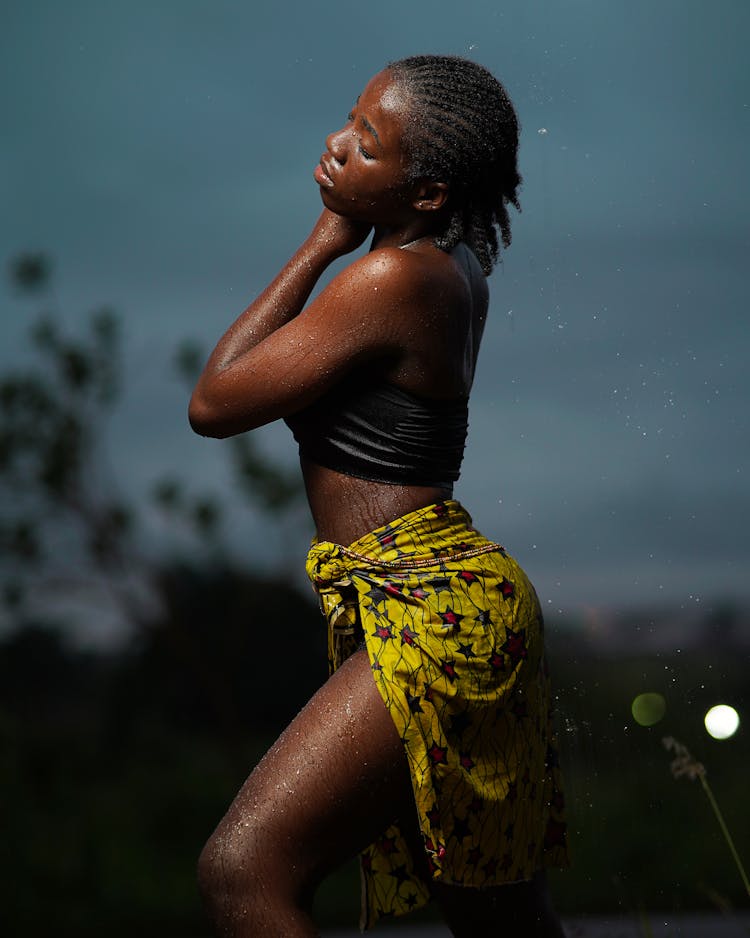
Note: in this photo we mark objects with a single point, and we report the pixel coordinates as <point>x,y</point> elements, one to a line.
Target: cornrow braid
<point>463,131</point>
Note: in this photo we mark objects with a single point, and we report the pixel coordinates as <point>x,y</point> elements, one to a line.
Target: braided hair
<point>463,131</point>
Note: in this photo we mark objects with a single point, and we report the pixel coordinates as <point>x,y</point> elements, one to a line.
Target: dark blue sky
<point>162,154</point>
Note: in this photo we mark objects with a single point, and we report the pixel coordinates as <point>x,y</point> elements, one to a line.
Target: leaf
<point>31,272</point>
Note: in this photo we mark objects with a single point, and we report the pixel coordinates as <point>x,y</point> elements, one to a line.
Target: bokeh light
<point>722,721</point>
<point>648,709</point>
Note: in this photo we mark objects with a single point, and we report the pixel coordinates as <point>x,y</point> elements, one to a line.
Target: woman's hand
<point>336,235</point>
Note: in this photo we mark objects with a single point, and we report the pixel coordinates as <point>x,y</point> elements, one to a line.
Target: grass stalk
<point>725,831</point>
<point>685,766</point>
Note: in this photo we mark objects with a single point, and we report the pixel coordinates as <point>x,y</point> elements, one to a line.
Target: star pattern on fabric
<point>407,635</point>
<point>468,577</point>
<point>376,595</point>
<point>496,661</point>
<point>466,761</point>
<point>440,584</point>
<point>419,592</point>
<point>387,536</point>
<point>383,632</point>
<point>515,645</point>
<point>400,873</point>
<point>387,845</point>
<point>467,650</point>
<point>506,589</point>
<point>449,670</point>
<point>438,754</point>
<point>413,700</point>
<point>433,816</point>
<point>483,618</point>
<point>378,613</point>
<point>451,619</point>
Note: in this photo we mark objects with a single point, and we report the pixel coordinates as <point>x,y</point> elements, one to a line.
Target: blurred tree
<point>70,544</point>
<point>63,523</point>
<point>117,765</point>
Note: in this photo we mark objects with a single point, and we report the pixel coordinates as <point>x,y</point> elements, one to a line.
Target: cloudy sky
<point>161,153</point>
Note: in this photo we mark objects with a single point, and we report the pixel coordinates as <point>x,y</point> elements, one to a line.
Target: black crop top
<point>377,431</point>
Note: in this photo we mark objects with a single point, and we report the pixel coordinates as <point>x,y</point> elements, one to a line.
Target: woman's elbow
<point>207,420</point>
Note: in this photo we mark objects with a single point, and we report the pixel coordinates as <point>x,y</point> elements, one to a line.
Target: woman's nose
<point>336,144</point>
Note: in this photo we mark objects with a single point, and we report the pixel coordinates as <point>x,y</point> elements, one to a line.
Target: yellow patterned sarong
<point>454,634</point>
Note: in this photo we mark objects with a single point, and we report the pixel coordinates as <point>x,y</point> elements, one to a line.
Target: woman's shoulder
<point>410,291</point>
<point>408,271</point>
<point>390,277</point>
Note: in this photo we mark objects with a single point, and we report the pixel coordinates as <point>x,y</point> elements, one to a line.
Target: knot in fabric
<point>326,564</point>
<point>330,569</point>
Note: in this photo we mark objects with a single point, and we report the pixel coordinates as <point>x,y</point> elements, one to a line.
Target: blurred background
<point>155,171</point>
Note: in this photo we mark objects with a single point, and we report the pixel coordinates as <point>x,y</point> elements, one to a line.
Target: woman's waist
<point>346,508</point>
<point>428,536</point>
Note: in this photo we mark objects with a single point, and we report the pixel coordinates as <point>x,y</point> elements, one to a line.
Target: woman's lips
<point>321,174</point>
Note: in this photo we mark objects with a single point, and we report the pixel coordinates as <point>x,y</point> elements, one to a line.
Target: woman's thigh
<point>332,782</point>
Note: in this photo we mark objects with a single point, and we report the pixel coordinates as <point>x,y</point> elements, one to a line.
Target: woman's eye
<point>350,117</point>
<point>367,156</point>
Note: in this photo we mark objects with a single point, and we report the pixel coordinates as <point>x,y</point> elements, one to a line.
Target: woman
<point>429,747</point>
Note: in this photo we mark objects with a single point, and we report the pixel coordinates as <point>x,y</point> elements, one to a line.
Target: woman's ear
<point>430,196</point>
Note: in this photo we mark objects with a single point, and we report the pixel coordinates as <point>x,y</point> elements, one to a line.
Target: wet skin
<point>412,315</point>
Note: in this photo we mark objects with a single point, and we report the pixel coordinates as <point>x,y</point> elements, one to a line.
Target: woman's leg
<point>332,782</point>
<point>335,779</point>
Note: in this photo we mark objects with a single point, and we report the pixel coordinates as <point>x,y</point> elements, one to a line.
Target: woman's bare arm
<point>279,355</point>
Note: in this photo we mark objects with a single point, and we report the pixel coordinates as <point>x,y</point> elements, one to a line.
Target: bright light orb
<point>722,721</point>
<point>648,709</point>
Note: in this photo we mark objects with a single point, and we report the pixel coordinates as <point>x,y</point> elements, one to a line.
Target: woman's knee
<point>223,868</point>
<point>242,859</point>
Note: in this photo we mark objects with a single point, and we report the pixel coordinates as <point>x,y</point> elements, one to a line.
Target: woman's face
<point>363,173</point>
